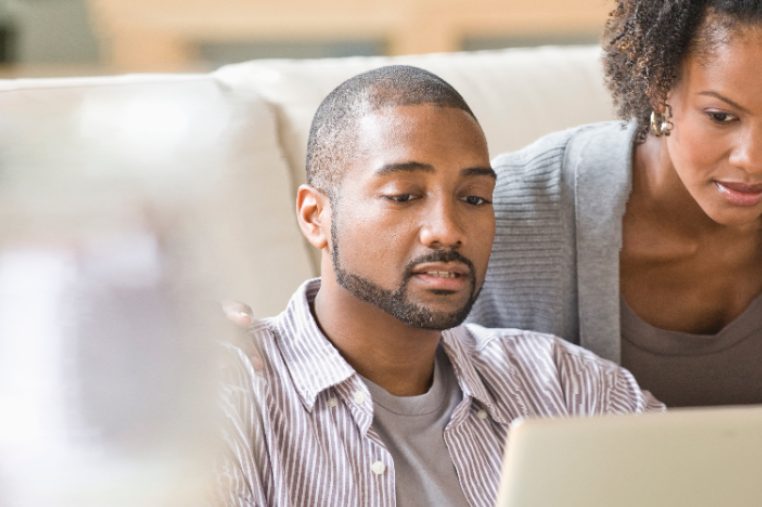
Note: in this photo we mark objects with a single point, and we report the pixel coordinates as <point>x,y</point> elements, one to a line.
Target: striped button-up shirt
<point>300,417</point>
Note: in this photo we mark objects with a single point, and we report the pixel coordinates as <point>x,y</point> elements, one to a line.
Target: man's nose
<point>442,227</point>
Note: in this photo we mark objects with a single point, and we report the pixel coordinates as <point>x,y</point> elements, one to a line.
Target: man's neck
<point>381,348</point>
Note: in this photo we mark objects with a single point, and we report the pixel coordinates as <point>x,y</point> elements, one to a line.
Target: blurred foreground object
<point>113,253</point>
<point>238,313</point>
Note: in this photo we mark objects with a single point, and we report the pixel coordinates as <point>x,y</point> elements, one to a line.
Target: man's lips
<point>741,194</point>
<point>442,269</point>
<point>449,276</point>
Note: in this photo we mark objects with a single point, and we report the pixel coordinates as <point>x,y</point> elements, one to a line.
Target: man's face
<point>412,223</point>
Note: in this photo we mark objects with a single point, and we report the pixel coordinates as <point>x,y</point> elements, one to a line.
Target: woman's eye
<point>721,117</point>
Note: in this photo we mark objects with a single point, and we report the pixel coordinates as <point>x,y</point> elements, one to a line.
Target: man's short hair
<point>332,134</point>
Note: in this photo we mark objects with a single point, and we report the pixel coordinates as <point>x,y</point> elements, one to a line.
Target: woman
<point>643,241</point>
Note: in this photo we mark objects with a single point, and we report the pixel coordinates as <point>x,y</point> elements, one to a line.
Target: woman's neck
<point>659,194</point>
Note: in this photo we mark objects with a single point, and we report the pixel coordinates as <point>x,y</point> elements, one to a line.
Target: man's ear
<point>313,212</point>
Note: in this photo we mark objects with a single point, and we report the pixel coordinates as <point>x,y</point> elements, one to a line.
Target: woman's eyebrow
<point>710,93</point>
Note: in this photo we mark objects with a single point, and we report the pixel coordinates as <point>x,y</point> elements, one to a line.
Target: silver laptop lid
<point>685,457</point>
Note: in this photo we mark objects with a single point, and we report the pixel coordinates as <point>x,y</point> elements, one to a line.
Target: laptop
<point>683,457</point>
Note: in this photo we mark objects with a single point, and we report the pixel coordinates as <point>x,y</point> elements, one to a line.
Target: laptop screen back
<point>685,457</point>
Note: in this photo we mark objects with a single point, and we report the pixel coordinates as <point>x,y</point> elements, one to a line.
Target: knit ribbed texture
<point>528,280</point>
<point>554,268</point>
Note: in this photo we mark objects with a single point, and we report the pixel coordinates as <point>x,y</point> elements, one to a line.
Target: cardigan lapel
<point>601,165</point>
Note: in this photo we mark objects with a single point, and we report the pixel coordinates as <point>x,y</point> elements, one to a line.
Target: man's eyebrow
<point>404,167</point>
<point>479,171</point>
<point>420,166</point>
<point>724,99</point>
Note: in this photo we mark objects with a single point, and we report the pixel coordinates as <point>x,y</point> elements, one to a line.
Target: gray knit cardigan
<point>554,268</point>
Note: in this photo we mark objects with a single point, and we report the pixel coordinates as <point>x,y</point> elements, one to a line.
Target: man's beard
<point>396,302</point>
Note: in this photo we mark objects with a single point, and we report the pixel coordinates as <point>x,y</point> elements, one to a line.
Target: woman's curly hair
<point>646,41</point>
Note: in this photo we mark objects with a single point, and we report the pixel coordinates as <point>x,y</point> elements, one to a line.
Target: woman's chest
<point>697,291</point>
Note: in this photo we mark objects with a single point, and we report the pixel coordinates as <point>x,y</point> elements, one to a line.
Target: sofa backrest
<point>517,94</point>
<point>241,131</point>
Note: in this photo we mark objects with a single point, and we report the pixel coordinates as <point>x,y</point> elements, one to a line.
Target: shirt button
<point>378,468</point>
<point>359,397</point>
<point>332,402</point>
<point>481,414</point>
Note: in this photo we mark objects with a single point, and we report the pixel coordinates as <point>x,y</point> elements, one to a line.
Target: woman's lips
<point>740,194</point>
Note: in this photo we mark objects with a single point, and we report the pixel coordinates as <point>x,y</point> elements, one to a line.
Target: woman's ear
<point>313,212</point>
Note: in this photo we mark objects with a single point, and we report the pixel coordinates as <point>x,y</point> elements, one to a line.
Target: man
<point>367,390</point>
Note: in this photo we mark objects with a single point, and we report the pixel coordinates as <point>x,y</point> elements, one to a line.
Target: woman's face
<point>716,143</point>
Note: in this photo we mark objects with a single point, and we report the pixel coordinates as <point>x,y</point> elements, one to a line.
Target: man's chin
<point>415,308</point>
<point>440,326</point>
<point>428,318</point>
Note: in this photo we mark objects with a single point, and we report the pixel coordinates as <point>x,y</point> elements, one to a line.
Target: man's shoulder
<point>584,382</point>
<point>263,347</point>
<point>529,345</point>
<point>249,355</point>
<point>480,337</point>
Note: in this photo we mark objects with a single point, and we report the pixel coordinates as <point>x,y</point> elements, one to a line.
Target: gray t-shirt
<point>412,427</point>
<point>684,369</point>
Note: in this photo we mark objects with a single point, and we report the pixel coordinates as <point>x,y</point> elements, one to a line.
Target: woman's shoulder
<point>551,149</point>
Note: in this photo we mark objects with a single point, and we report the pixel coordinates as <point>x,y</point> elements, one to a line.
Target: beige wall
<point>165,35</point>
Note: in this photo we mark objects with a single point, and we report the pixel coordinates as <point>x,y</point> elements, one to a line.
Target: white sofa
<point>242,130</point>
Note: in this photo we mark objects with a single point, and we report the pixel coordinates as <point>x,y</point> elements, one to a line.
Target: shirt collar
<point>313,362</point>
<point>459,344</point>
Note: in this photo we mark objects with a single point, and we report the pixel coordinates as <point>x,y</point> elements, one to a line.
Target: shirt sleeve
<point>239,471</point>
<point>593,385</point>
<point>627,396</point>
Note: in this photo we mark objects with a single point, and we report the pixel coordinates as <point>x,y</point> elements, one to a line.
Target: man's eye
<point>476,200</point>
<point>720,116</point>
<point>400,197</point>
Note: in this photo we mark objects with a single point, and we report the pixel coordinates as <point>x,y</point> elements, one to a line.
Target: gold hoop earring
<point>661,123</point>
